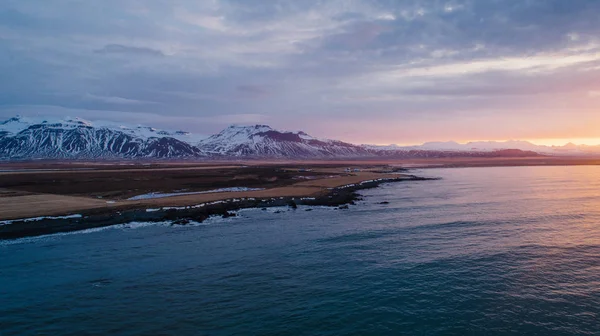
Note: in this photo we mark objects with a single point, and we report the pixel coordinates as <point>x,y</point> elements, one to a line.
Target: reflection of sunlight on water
<point>560,206</point>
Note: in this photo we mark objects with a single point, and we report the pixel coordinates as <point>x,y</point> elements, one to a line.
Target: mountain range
<point>569,149</point>
<point>75,138</point>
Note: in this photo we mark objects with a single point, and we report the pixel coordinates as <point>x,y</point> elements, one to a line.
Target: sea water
<point>484,251</point>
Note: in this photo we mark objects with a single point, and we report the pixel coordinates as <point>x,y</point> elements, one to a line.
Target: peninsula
<point>39,198</point>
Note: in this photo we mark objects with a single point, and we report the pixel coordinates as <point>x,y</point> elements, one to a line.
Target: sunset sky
<point>364,71</point>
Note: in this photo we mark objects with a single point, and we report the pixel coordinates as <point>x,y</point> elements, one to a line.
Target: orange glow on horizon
<point>562,142</point>
<point>543,142</point>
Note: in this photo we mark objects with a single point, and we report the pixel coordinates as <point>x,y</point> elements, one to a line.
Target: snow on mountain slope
<point>498,145</point>
<point>264,141</point>
<point>434,146</point>
<point>483,146</point>
<point>441,146</point>
<point>491,146</point>
<point>28,138</point>
<point>18,123</point>
<point>75,138</point>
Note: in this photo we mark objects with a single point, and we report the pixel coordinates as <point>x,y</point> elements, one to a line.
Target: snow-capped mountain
<point>493,146</point>
<point>264,141</point>
<point>77,138</point>
<point>74,138</point>
<point>18,123</point>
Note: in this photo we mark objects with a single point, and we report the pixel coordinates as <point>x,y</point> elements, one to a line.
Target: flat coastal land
<point>60,192</point>
<point>43,198</point>
<point>48,197</point>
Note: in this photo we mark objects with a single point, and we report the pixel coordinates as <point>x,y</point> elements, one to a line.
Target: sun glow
<point>562,142</point>
<point>542,142</point>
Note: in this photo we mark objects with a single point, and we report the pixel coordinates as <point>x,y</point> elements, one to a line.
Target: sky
<point>364,71</point>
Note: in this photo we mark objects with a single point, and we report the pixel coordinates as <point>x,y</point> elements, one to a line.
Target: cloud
<point>292,62</point>
<point>251,91</point>
<point>114,100</point>
<point>594,94</point>
<point>122,49</point>
<point>242,119</point>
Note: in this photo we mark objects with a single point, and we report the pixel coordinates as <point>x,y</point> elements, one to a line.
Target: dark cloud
<point>122,49</point>
<point>251,91</point>
<point>358,36</point>
<point>434,60</point>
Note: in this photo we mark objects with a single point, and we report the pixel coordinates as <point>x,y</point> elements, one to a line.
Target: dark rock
<point>385,202</point>
<point>344,207</point>
<point>171,214</point>
<point>181,222</point>
<point>200,218</point>
<point>229,214</point>
<point>101,218</point>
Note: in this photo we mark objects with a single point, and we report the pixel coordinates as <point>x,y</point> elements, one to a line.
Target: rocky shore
<point>335,197</point>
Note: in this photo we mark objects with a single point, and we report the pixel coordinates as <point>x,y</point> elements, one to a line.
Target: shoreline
<point>182,215</point>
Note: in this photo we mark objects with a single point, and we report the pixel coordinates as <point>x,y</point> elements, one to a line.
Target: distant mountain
<point>492,146</point>
<point>22,138</point>
<point>430,154</point>
<point>75,138</point>
<point>263,141</point>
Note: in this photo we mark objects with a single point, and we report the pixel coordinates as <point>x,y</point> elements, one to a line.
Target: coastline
<point>158,210</point>
<point>44,198</point>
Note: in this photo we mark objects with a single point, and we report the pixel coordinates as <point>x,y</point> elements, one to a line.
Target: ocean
<point>483,251</point>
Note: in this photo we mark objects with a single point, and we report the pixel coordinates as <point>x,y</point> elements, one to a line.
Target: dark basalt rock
<point>94,218</point>
<point>181,222</point>
<point>229,214</point>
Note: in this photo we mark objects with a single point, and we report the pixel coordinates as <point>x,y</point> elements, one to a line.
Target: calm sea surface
<point>484,251</point>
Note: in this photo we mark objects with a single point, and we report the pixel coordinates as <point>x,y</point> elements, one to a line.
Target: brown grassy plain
<point>33,189</point>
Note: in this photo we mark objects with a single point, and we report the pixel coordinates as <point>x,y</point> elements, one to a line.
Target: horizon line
<point>548,142</point>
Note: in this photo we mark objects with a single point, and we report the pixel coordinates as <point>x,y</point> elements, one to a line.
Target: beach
<point>59,200</point>
<point>481,251</point>
<point>39,198</point>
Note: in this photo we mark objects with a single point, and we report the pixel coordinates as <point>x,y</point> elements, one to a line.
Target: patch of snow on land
<point>163,195</point>
<point>34,219</point>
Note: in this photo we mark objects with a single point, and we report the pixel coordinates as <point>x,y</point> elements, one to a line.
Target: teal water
<point>485,251</point>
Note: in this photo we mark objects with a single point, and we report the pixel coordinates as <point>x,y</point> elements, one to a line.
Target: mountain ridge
<point>23,138</point>
<point>75,138</point>
<point>262,140</point>
<point>488,146</point>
